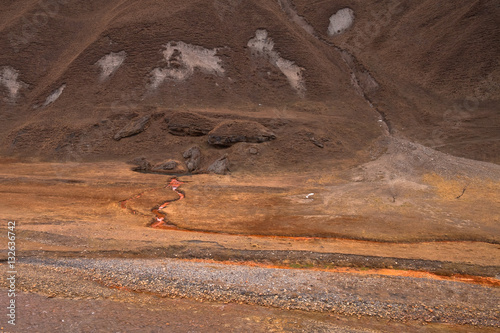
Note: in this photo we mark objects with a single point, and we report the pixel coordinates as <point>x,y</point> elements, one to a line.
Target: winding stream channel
<point>159,221</point>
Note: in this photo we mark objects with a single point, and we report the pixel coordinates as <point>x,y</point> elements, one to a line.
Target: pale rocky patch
<point>54,95</point>
<point>110,63</point>
<point>183,59</point>
<point>341,21</point>
<point>9,78</point>
<point>263,45</point>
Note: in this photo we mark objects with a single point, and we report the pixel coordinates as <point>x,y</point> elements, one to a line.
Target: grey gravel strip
<point>398,298</point>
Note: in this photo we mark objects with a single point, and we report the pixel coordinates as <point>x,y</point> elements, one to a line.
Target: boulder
<point>190,124</point>
<point>141,164</point>
<point>230,132</point>
<point>193,158</point>
<point>220,166</point>
<point>134,127</point>
<point>169,166</point>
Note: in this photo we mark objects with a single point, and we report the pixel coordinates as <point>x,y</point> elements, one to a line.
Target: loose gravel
<point>395,298</point>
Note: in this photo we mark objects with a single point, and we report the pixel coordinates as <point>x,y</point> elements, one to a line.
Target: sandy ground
<point>146,312</point>
<point>53,204</point>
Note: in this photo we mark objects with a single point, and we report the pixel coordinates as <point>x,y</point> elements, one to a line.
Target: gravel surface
<point>395,298</point>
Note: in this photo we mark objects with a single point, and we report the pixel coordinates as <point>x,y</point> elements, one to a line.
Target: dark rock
<point>193,158</point>
<point>191,124</point>
<point>170,166</point>
<point>230,132</point>
<point>141,164</point>
<point>317,143</point>
<point>134,127</point>
<point>220,166</point>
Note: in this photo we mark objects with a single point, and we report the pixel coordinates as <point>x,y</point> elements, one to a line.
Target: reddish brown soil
<point>344,174</point>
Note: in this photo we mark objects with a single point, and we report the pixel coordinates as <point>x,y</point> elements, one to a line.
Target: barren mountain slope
<point>436,63</point>
<point>81,70</point>
<point>93,67</point>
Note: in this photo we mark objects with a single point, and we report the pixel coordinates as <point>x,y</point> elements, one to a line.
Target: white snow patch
<point>263,45</point>
<point>54,96</point>
<point>9,79</point>
<point>341,21</point>
<point>182,61</point>
<point>309,195</point>
<point>110,63</point>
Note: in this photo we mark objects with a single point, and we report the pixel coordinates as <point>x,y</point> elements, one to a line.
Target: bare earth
<point>257,165</point>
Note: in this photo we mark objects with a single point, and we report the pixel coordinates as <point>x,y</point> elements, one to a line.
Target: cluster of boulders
<point>220,133</point>
<point>192,164</point>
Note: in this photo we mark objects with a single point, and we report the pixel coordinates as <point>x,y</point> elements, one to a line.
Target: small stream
<point>159,221</point>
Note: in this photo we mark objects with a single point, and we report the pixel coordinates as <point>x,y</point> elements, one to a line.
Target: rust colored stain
<point>160,218</point>
<point>159,221</point>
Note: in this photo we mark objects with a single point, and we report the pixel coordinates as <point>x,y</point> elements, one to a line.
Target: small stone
<point>317,143</point>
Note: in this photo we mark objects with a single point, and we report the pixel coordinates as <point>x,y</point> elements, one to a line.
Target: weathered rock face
<point>189,123</point>
<point>135,126</point>
<point>169,167</point>
<point>230,132</point>
<point>193,158</point>
<point>220,166</point>
<point>141,164</point>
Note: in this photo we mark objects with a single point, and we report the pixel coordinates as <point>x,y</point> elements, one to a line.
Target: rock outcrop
<point>220,166</point>
<point>134,127</point>
<point>193,158</point>
<point>230,132</point>
<point>190,124</point>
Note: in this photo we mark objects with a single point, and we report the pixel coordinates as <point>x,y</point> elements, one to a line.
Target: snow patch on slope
<point>110,63</point>
<point>183,59</point>
<point>263,45</point>
<point>54,96</point>
<point>9,79</point>
<point>341,21</point>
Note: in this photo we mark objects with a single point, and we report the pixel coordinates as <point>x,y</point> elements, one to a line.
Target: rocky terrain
<point>335,162</point>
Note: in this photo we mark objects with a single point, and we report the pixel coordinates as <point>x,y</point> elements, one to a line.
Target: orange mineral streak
<point>159,220</point>
<point>484,281</point>
<point>159,223</point>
